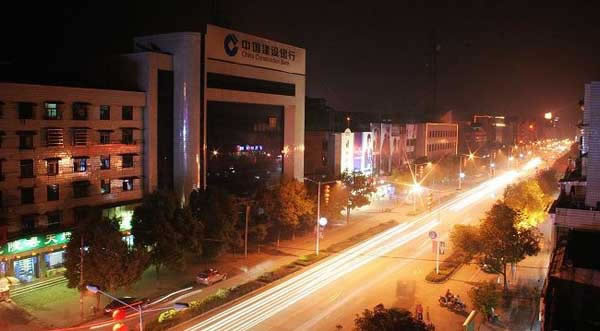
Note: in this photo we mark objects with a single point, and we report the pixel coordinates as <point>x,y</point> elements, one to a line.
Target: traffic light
<point>326,191</point>
<point>429,201</point>
<point>119,315</point>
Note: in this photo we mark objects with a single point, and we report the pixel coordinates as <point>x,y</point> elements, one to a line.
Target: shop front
<point>31,258</point>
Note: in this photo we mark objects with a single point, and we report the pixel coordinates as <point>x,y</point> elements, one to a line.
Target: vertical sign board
<point>347,150</point>
<point>358,152</point>
<point>367,148</point>
<point>376,130</point>
<point>469,324</point>
<point>386,149</point>
<point>234,46</point>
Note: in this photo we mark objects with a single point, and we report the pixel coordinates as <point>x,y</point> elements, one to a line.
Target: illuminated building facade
<point>63,148</point>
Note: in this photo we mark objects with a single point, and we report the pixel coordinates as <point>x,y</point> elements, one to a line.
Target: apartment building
<point>63,148</point>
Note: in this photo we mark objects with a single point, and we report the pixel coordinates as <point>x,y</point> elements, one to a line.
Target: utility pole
<point>81,278</point>
<point>246,233</point>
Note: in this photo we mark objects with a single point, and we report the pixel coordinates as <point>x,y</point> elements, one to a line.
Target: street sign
<point>432,234</point>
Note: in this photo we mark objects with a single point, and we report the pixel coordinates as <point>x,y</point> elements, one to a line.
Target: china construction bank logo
<point>230,44</point>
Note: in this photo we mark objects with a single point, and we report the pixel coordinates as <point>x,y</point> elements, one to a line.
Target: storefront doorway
<point>26,270</point>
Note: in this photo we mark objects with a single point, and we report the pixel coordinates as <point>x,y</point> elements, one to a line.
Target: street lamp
<point>319,218</point>
<point>461,174</point>
<point>416,188</point>
<point>177,306</point>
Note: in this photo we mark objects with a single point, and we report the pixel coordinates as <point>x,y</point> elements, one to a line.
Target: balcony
<point>582,219</point>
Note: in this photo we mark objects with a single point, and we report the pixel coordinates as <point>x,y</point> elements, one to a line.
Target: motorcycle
<point>452,303</point>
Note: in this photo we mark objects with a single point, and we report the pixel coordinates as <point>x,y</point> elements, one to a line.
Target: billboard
<point>347,150</point>
<point>233,46</point>
<point>385,150</point>
<point>367,148</point>
<point>358,151</point>
<point>376,130</point>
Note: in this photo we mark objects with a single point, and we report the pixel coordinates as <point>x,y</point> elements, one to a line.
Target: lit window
<point>80,164</point>
<point>104,162</point>
<point>52,111</point>
<point>128,184</point>
<point>105,186</point>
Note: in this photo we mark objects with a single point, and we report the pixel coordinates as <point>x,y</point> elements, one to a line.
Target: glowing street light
<point>461,175</point>
<point>548,115</point>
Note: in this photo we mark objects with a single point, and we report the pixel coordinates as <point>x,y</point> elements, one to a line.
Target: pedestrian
<point>419,312</point>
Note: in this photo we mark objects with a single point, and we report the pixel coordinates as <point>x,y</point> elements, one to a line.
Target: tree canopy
<point>360,188</point>
<point>485,297</point>
<point>528,198</point>
<point>387,319</point>
<point>107,260</point>
<point>169,231</point>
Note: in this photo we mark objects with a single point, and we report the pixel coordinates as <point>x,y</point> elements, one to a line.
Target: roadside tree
<point>360,188</point>
<point>527,197</point>
<point>503,242</point>
<point>338,202</point>
<point>217,211</point>
<point>485,297</point>
<point>388,319</point>
<point>466,239</point>
<point>107,260</point>
<point>548,182</point>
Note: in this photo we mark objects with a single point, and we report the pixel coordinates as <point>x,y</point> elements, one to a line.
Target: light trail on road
<point>254,310</point>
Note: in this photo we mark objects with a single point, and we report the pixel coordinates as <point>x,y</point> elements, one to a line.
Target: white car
<point>210,276</point>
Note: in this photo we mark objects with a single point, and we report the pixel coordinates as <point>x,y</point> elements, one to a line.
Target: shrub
<point>306,260</point>
<point>361,237</point>
<point>278,273</point>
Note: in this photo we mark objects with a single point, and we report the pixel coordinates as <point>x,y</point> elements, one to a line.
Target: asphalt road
<point>388,268</point>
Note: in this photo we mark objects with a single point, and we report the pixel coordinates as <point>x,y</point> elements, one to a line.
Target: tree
<point>527,197</point>
<point>360,187</point>
<point>107,260</point>
<point>548,182</point>
<point>503,241</point>
<point>387,319</point>
<point>485,297</point>
<point>466,239</point>
<point>217,211</point>
<point>286,205</point>
<point>170,232</point>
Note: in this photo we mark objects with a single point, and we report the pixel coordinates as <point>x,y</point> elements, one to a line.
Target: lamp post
<point>461,174</point>
<point>319,218</point>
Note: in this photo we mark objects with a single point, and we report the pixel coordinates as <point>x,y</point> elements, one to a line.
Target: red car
<point>210,276</point>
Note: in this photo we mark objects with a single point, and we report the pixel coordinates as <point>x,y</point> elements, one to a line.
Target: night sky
<point>362,56</point>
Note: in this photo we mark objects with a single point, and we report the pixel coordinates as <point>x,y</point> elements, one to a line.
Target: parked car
<point>210,276</point>
<point>134,302</point>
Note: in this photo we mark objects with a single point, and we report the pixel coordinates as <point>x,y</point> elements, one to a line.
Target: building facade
<point>436,140</point>
<point>63,148</point>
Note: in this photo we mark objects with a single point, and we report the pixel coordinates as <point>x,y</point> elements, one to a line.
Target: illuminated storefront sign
<point>347,151</point>
<point>35,242</point>
<point>249,148</point>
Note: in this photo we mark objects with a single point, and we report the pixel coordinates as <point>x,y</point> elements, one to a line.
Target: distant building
<point>436,140</point>
<point>472,137</point>
<point>572,290</point>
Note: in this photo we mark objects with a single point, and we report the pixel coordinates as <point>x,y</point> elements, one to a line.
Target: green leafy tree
<point>107,260</point>
<point>217,211</point>
<point>387,319</point>
<point>527,197</point>
<point>466,239</point>
<point>170,232</point>
<point>360,187</point>
<point>485,297</point>
<point>503,242</point>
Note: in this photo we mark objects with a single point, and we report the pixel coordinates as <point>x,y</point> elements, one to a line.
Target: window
<point>128,184</point>
<point>52,167</point>
<point>127,136</point>
<point>53,193</point>
<point>26,168</point>
<point>27,195</point>
<point>54,137</point>
<point>80,111</point>
<point>104,137</point>
<point>105,112</point>
<point>80,136</point>
<point>80,189</point>
<point>1,109</point>
<point>25,139</point>
<point>105,186</point>
<point>52,112</point>
<point>25,110</point>
<point>127,113</point>
<point>1,172</point>
<point>2,133</point>
<point>104,162</point>
<point>27,223</point>
<point>127,161</point>
<point>80,164</point>
<point>54,219</point>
